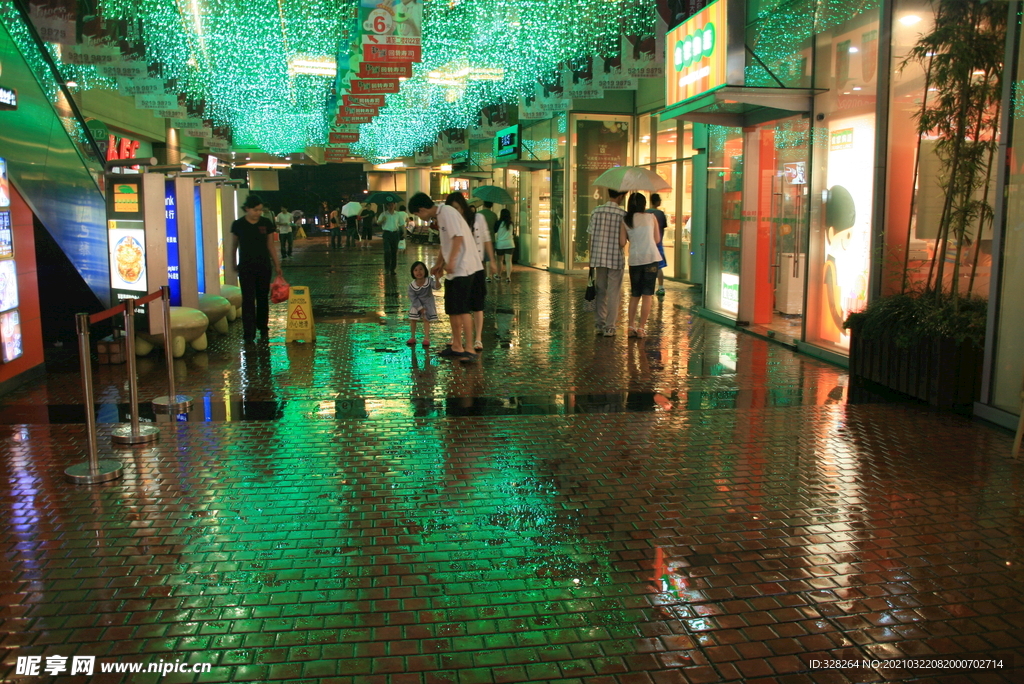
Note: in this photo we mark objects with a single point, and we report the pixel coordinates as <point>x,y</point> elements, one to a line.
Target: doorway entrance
<point>775,255</point>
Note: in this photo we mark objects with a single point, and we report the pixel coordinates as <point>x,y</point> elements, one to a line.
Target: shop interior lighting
<point>264,165</point>
<point>854,49</point>
<point>909,19</point>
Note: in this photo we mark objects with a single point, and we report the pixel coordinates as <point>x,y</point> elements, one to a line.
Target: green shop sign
<point>694,47</point>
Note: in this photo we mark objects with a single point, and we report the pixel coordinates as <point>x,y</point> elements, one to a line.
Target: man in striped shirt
<point>607,261</point>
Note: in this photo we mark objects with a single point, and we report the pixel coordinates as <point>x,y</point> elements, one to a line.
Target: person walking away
<point>392,224</point>
<point>459,264</point>
<point>253,254</point>
<point>421,302</point>
<point>662,225</point>
<point>485,248</point>
<point>283,223</point>
<point>504,243</point>
<point>607,261</point>
<point>335,225</point>
<point>367,220</point>
<point>350,214</point>
<point>488,213</point>
<point>640,230</point>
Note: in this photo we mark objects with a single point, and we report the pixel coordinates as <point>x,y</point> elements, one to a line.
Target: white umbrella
<point>624,178</point>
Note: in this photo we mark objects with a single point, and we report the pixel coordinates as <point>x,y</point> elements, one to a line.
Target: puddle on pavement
<point>207,409</point>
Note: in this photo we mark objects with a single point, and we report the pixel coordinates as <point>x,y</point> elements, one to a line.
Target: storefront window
<point>1009,361</point>
<point>842,193</point>
<point>600,142</point>
<point>725,217</point>
<point>643,145</point>
<point>667,148</point>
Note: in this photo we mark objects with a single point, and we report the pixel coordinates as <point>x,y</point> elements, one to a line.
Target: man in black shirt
<point>252,255</point>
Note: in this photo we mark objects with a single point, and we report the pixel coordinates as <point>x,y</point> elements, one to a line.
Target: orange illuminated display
<point>697,52</point>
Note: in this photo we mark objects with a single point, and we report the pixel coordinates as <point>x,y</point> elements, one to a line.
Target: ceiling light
<point>856,87</point>
<point>390,166</point>
<point>909,19</point>
<point>854,49</point>
<point>264,165</point>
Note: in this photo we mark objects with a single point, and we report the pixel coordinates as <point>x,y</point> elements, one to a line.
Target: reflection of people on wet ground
<point>424,378</point>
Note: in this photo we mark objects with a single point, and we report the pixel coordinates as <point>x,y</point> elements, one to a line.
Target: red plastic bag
<point>279,290</point>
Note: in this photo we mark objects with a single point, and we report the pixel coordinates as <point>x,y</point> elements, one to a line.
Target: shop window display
<point>841,191</point>
<point>601,142</point>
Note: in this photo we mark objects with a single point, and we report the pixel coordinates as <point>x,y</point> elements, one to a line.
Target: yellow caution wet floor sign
<point>300,316</point>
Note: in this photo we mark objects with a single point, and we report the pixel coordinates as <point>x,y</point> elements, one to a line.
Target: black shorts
<point>642,279</point>
<point>501,252</point>
<point>478,293</point>
<point>456,295</point>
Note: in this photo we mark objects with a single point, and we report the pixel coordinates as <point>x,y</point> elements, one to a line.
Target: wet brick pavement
<point>699,506</point>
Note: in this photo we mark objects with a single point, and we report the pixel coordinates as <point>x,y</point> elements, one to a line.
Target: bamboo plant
<point>963,61</point>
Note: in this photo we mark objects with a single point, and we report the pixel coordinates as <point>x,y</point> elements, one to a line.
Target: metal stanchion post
<point>94,470</point>
<point>132,433</point>
<point>173,402</point>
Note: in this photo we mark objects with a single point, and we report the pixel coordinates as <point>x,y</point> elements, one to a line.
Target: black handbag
<point>591,293</point>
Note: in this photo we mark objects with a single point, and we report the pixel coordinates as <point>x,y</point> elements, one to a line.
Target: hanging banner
<point>54,24</point>
<point>358,111</point>
<point>374,86</point>
<point>392,53</point>
<point>384,70</point>
<point>335,154</point>
<point>546,102</point>
<point>449,143</point>
<point>156,101</point>
<point>140,86</point>
<point>579,83</point>
<point>609,75</point>
<point>339,138</point>
<point>353,120</point>
<point>644,56</point>
<point>363,100</point>
<point>174,113</point>
<point>90,53</point>
<point>123,68</point>
<point>491,120</point>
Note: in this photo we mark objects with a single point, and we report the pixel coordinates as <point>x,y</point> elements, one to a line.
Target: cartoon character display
<point>845,288</point>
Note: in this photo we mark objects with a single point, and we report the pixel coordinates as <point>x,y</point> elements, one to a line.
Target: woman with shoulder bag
<point>505,243</point>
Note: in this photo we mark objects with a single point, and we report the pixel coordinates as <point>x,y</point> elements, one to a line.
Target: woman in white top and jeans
<point>640,230</point>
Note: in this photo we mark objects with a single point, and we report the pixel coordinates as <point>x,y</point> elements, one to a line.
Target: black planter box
<point>941,372</point>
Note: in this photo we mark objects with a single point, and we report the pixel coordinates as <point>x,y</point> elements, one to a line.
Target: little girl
<point>421,301</point>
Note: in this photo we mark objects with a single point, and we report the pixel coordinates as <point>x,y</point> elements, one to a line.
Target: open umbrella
<point>492,193</point>
<point>382,198</point>
<point>624,178</point>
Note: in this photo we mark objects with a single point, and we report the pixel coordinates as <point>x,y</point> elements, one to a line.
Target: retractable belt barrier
<point>173,402</point>
<point>96,470</point>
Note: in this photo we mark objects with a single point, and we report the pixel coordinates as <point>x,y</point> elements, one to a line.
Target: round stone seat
<point>188,326</point>
<point>233,294</point>
<point>217,310</point>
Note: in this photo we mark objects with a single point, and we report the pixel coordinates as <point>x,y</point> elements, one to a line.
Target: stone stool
<point>233,293</point>
<point>187,326</point>
<point>217,309</point>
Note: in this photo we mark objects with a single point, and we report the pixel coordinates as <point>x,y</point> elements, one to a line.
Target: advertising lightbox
<point>705,52</point>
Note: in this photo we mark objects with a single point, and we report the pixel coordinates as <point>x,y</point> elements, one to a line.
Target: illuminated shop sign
<point>699,53</point>
<point>731,292</point>
<point>506,143</point>
<point>173,263</point>
<point>8,99</point>
<point>200,243</point>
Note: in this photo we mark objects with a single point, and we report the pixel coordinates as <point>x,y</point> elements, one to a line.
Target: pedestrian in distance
<point>421,302</point>
<point>252,256</point>
<point>367,221</point>
<point>392,224</point>
<point>283,223</point>
<point>350,218</point>
<point>485,248</point>
<point>640,230</point>
<point>608,262</point>
<point>662,225</point>
<point>505,243</point>
<point>461,268</point>
<point>335,225</point>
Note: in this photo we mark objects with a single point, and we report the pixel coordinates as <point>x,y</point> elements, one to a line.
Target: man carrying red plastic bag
<point>279,290</point>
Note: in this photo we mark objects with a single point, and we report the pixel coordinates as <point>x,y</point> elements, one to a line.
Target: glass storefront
<point>600,141</point>
<point>724,219</point>
<point>842,190</point>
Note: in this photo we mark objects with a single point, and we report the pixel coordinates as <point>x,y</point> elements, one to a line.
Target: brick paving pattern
<point>698,506</point>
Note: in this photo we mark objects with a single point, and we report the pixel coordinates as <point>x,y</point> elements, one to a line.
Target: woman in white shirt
<point>640,230</point>
<point>504,243</point>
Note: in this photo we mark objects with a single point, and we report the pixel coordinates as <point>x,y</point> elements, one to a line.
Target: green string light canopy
<point>525,41</point>
<point>235,61</point>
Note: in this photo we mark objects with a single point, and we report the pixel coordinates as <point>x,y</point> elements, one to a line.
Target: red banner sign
<point>334,156</point>
<point>384,70</point>
<point>392,53</point>
<point>374,86</point>
<point>341,138</point>
<point>358,111</point>
<point>352,120</point>
<point>363,100</point>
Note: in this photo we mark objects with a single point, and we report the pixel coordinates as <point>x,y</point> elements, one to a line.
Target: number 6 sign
<point>380,22</point>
